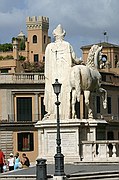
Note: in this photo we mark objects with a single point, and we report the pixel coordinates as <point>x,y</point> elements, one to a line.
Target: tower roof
<point>21,35</point>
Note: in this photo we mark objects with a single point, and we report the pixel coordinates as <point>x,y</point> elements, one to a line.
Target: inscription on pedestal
<point>68,142</point>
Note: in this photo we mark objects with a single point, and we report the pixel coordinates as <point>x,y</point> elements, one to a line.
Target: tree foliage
<point>6,47</point>
<point>22,58</point>
<point>22,45</point>
<point>33,67</point>
<point>6,57</point>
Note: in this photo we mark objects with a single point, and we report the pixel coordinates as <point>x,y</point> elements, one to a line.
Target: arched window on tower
<point>34,39</point>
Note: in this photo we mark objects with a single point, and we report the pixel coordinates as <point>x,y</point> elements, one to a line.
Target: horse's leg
<point>76,90</point>
<point>87,103</point>
<point>73,103</point>
<point>104,97</point>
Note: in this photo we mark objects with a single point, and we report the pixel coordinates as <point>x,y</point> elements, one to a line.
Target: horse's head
<point>94,56</point>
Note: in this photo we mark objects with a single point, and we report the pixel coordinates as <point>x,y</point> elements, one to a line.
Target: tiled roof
<point>104,44</point>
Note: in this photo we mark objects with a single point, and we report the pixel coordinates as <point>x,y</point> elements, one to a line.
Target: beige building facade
<point>22,93</point>
<point>21,96</point>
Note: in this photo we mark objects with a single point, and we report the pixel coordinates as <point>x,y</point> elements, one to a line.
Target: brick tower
<point>37,29</point>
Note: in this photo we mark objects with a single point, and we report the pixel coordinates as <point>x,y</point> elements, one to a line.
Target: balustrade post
<point>107,151</point>
<point>36,77</point>
<point>93,151</point>
<point>114,150</point>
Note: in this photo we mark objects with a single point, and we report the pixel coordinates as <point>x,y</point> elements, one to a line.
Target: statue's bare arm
<point>75,59</point>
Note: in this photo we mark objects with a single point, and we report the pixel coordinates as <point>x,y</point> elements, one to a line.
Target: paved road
<point>70,169</point>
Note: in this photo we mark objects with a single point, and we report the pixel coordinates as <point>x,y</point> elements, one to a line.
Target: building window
<point>44,39</point>
<point>34,39</point>
<point>104,58</point>
<point>103,77</point>
<point>118,108</point>
<point>25,141</point>
<point>24,108</point>
<point>109,105</point>
<point>43,112</point>
<point>110,135</point>
<point>116,60</point>
<point>43,58</point>
<point>35,57</point>
<point>98,104</point>
<point>4,70</point>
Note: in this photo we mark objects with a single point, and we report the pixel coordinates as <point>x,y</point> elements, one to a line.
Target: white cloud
<point>83,20</point>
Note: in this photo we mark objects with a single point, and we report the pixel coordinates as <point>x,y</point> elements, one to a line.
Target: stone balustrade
<point>22,78</point>
<point>18,177</point>
<point>100,151</point>
<point>12,118</point>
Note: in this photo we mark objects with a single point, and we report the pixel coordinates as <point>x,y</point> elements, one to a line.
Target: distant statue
<point>59,57</point>
<point>87,78</point>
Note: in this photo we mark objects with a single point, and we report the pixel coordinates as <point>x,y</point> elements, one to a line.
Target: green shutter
<point>31,142</point>
<point>20,141</point>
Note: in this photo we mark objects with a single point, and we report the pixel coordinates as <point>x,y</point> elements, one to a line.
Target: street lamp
<point>59,157</point>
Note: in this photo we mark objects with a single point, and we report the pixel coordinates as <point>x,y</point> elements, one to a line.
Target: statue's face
<point>58,37</point>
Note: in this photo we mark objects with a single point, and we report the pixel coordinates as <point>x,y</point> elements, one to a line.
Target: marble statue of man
<point>59,57</point>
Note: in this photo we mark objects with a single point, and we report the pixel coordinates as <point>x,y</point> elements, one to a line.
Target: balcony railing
<point>22,78</point>
<point>109,117</point>
<point>12,118</point>
<point>106,150</point>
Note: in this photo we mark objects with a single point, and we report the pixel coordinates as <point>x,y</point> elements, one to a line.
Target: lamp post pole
<point>59,157</point>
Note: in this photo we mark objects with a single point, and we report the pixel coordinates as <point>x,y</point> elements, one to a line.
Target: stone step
<point>96,175</point>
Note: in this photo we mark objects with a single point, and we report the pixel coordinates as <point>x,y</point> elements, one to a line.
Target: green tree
<point>22,58</point>
<point>6,47</point>
<point>22,45</point>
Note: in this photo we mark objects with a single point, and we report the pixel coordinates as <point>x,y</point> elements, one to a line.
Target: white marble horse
<point>87,78</point>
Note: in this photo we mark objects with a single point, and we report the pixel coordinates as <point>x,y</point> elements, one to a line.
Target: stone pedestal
<point>69,131</point>
<point>73,132</point>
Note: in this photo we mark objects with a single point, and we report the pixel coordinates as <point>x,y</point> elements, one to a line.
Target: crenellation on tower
<point>40,22</point>
<point>43,19</point>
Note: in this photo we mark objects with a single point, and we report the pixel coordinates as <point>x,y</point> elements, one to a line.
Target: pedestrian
<point>5,165</point>
<point>11,162</point>
<point>1,161</point>
<point>17,161</point>
<point>25,161</point>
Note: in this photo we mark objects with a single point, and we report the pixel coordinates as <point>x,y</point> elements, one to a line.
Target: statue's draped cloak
<point>58,62</point>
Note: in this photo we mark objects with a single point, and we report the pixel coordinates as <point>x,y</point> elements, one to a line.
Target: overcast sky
<point>83,20</point>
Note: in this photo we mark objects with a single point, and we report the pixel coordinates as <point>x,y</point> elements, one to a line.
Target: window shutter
<point>31,142</point>
<point>20,141</point>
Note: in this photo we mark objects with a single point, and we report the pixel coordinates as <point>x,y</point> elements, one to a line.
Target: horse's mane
<point>91,54</point>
